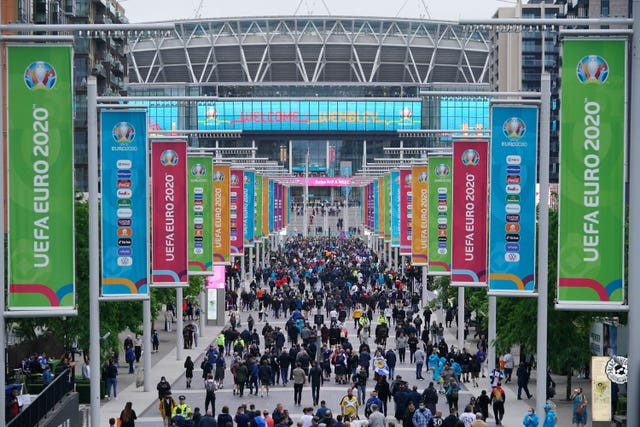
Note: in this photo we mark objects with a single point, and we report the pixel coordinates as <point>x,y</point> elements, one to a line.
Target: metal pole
<point>543,243</point>
<point>202,318</point>
<point>461,318</point>
<point>424,288</point>
<point>179,324</point>
<point>94,251</point>
<point>290,157</point>
<point>250,262</point>
<point>146,335</point>
<point>491,350</point>
<point>242,275</point>
<point>633,386</point>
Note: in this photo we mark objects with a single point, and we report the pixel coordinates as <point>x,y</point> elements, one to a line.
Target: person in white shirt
<point>509,364</point>
<point>467,416</point>
<point>496,376</point>
<point>307,418</point>
<point>376,419</point>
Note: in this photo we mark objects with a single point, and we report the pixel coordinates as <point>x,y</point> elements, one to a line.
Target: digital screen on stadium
<point>322,115</point>
<point>461,113</point>
<point>161,115</point>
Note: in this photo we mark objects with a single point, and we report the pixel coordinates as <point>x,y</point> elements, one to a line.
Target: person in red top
<point>12,409</point>
<point>268,419</point>
<point>497,398</point>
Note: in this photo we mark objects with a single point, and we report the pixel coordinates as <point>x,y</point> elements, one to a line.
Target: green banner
<point>258,229</point>
<point>386,189</point>
<point>440,178</point>
<point>199,230</point>
<point>40,178</point>
<point>592,165</point>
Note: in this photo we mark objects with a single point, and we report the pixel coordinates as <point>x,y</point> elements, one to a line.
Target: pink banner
<point>406,201</point>
<point>469,222</point>
<point>236,207</point>
<point>218,279</point>
<point>169,213</point>
<point>325,182</point>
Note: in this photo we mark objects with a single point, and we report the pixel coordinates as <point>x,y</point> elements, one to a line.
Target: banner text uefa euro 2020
<point>125,225</point>
<point>199,231</point>
<point>40,178</point>
<point>512,230</point>
<point>249,210</point>
<point>236,209</point>
<point>592,166</point>
<point>420,215</point>
<point>221,214</point>
<point>439,215</point>
<point>406,211</point>
<point>394,182</point>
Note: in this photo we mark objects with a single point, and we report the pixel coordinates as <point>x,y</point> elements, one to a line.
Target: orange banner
<point>221,214</point>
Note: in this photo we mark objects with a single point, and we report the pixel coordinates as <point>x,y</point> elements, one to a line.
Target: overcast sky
<point>163,10</point>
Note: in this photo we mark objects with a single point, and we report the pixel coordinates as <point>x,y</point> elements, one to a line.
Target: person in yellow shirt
<point>167,407</point>
<point>357,314</point>
<point>220,343</point>
<point>349,405</point>
<point>184,408</point>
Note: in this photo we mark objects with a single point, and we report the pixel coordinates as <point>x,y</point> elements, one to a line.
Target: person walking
<point>497,398</point>
<point>579,407</point>
<point>421,416</point>
<point>549,416</point>
<point>377,418</point>
<point>265,374</point>
<point>452,394</point>
<point>419,357</point>
<point>128,416</point>
<point>167,406</point>
<point>155,341</point>
<point>210,393</point>
<point>316,379</point>
<point>531,418</point>
<point>111,377</point>
<point>188,366</point>
<point>137,348</point>
<point>523,380</point>
<point>299,378</point>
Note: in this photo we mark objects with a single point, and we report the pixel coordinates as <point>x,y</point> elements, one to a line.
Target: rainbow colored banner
<point>419,215</point>
<point>236,212</point>
<point>125,224</point>
<point>221,214</point>
<point>199,231</point>
<point>249,209</point>
<point>440,183</point>
<point>512,230</point>
<point>169,213</point>
<point>469,224</point>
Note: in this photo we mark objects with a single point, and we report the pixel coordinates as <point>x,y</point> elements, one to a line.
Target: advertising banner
<point>469,224</point>
<point>395,208</point>
<point>221,214</point>
<point>420,215</point>
<point>266,206</point>
<point>169,213</point>
<point>386,185</point>
<point>600,390</point>
<point>376,207</point>
<point>236,214</point>
<point>199,231</point>
<point>592,167</point>
<point>512,216</point>
<point>125,224</point>
<point>406,211</point>
<point>439,217</point>
<point>285,208</point>
<point>258,208</point>
<point>249,210</point>
<point>41,250</point>
<point>271,206</point>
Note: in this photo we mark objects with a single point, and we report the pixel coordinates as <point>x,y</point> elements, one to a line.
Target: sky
<point>450,10</point>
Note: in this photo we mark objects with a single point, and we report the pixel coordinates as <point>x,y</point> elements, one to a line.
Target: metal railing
<point>45,402</point>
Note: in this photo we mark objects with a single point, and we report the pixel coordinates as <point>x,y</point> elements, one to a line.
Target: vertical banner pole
<point>491,350</point>
<point>94,251</point>
<point>146,335</point>
<point>425,288</point>
<point>460,318</point>
<point>3,337</point>
<point>633,386</point>
<point>202,318</point>
<point>543,243</point>
<point>250,263</point>
<point>179,324</point>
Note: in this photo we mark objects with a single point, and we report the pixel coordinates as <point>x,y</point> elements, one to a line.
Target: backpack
<point>210,386</point>
<point>497,395</point>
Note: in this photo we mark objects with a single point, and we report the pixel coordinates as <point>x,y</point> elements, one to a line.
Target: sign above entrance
<point>311,115</point>
<point>324,182</point>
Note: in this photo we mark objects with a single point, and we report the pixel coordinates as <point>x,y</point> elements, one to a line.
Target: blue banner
<point>512,232</point>
<point>272,204</point>
<point>395,208</point>
<point>249,208</point>
<point>313,115</point>
<point>376,213</point>
<point>124,204</point>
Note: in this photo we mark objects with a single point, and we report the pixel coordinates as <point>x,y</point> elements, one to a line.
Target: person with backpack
<point>497,398</point>
<point>452,394</point>
<point>210,387</point>
<point>155,341</point>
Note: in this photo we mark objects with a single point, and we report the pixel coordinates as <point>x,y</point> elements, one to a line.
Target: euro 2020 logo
<point>470,157</point>
<point>218,176</point>
<point>422,177</point>
<point>123,133</point>
<point>514,128</point>
<point>198,170</point>
<point>442,170</point>
<point>40,75</point>
<point>169,158</point>
<point>592,69</point>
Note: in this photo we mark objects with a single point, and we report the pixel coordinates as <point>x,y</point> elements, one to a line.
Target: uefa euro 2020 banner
<point>439,215</point>
<point>406,211</point>
<point>469,225</point>
<point>420,215</point>
<point>249,210</point>
<point>512,215</point>
<point>199,231</point>
<point>125,225</point>
<point>221,214</point>
<point>236,200</point>
<point>40,178</point>
<point>169,213</point>
<point>395,208</point>
<point>592,167</point>
<point>386,185</point>
<point>257,233</point>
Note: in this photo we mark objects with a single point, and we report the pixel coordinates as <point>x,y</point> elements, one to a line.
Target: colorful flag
<point>199,231</point>
<point>221,214</point>
<point>439,215</point>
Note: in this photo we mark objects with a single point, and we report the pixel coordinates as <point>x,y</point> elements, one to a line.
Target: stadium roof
<point>311,49</point>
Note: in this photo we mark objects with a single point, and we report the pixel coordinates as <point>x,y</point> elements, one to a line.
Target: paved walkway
<point>164,363</point>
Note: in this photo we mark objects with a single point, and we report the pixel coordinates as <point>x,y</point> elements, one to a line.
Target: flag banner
<point>406,211</point>
<point>249,210</point>
<point>258,208</point>
<point>125,221</point>
<point>40,198</point>
<point>221,214</point>
<point>469,224</point>
<point>439,215</point>
<point>271,206</point>
<point>386,195</point>
<point>395,207</point>
<point>377,206</point>
<point>286,207</point>
<point>420,215</point>
<point>169,213</point>
<point>591,219</point>
<point>199,230</point>
<point>266,206</point>
<point>512,214</point>
<point>236,214</point>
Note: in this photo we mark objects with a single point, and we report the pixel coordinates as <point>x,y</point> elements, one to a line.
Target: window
<point>604,8</point>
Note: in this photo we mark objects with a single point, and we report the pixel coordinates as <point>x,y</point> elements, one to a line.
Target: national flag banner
<point>512,214</point>
<point>591,233</point>
<point>249,210</point>
<point>420,215</point>
<point>469,225</point>
<point>40,198</point>
<point>440,179</point>
<point>236,214</point>
<point>125,221</point>
<point>394,182</point>
<point>169,213</point>
<point>258,208</point>
<point>386,185</point>
<point>199,230</point>
<point>221,214</point>
<point>406,211</point>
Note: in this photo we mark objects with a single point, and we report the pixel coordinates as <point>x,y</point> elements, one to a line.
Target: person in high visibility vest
<point>184,408</point>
